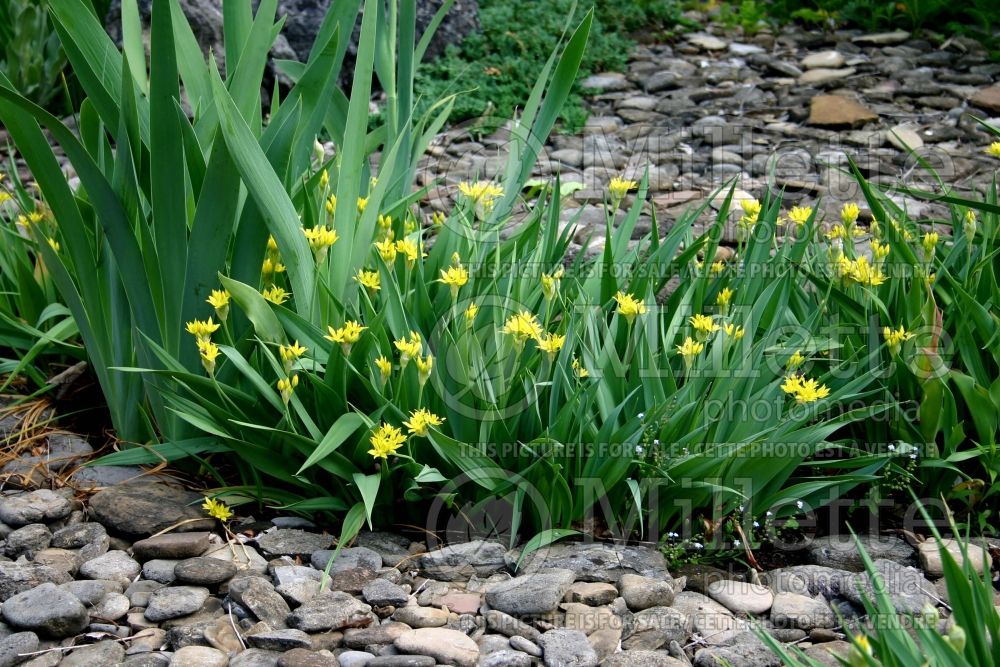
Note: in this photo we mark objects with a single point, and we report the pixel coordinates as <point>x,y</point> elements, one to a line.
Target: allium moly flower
<point>470,314</point>
<point>320,239</point>
<point>796,360</point>
<point>724,297</point>
<point>331,204</point>
<point>324,180</point>
<point>362,204</point>
<point>286,387</point>
<point>879,250</point>
<point>969,224</point>
<point>219,299</point>
<point>895,338</point>
<point>994,149</point>
<point>345,336</point>
<point>454,277</point>
<point>408,348</point>
<point>849,213</point>
<point>864,273</point>
<point>370,280</point>
<point>550,283</point>
<point>703,325</point>
<point>579,369</point>
<point>209,352</point>
<point>409,248</point>
<point>480,192</point>
<point>929,243</point>
<point>384,369</point>
<point>420,421</point>
<point>619,187</point>
<point>424,367</point>
<point>202,330</point>
<point>522,326</point>
<point>800,214</point>
<point>629,307</point>
<point>276,295</point>
<point>690,349</point>
<point>438,218</point>
<point>385,441</point>
<point>551,344</point>
<point>217,509</point>
<point>734,332</point>
<point>804,390</point>
<point>54,244</point>
<point>290,354</point>
<point>387,250</point>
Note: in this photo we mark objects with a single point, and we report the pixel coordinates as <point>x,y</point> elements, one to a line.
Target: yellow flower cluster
<point>619,187</point>
<point>994,149</point>
<point>455,277</point>
<point>629,307</point>
<point>290,354</point>
<point>804,390</point>
<point>345,336</point>
<point>550,283</point>
<point>202,331</point>
<point>895,338</point>
<point>370,280</point>
<point>408,348</point>
<point>276,295</point>
<point>800,214</point>
<point>690,349</point>
<point>481,192</point>
<point>320,239</point>
<point>217,509</point>
<point>385,441</point>
<point>421,420</point>
<point>286,387</point>
<point>522,326</point>
<point>219,299</point>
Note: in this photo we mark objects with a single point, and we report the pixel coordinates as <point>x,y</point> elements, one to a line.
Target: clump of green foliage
<point>30,56</point>
<point>495,68</point>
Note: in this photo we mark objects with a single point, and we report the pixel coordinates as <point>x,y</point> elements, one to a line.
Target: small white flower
<point>799,504</point>
<point>698,545</point>
<point>770,513</point>
<point>656,442</point>
<point>639,450</point>
<point>685,450</point>
<point>892,448</point>
<point>737,543</point>
<point>913,456</point>
<point>756,524</point>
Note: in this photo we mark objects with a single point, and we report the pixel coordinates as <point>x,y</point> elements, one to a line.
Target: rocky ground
<point>784,110</point>
<point>139,577</point>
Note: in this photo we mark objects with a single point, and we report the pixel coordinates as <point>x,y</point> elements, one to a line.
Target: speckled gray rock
<point>91,591</point>
<point>114,565</point>
<point>382,593</point>
<point>791,610</point>
<point>47,610</point>
<point>175,601</point>
<point>203,571</point>
<point>459,562</point>
<point>160,570</point>
<point>506,658</point>
<point>171,546</point>
<point>331,610</point>
<point>279,640</point>
<point>566,648</point>
<point>348,559</point>
<point>841,552</point>
<point>19,577</point>
<point>906,586</point>
<point>199,656</point>
<point>90,538</point>
<point>102,653</point>
<point>292,542</point>
<point>741,596</point>
<point>41,506</point>
<point>448,647</point>
<point>596,561</point>
<point>642,659</point>
<point>146,508</point>
<point>806,580</point>
<point>12,648</point>
<point>537,593</point>
<point>258,595</point>
<point>28,540</point>
<point>111,607</point>
<point>746,650</point>
<point>644,592</point>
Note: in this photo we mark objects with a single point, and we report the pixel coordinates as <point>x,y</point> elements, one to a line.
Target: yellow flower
<point>5,197</point>
<point>202,330</point>
<point>836,232</point>
<point>879,250</point>
<point>370,280</point>
<point>862,272</point>
<point>217,509</point>
<point>470,314</point>
<point>895,338</point>
<point>269,268</point>
<point>751,208</point>
<point>289,354</point>
<point>522,326</point>
<point>272,245</point>
<point>286,386</point>
<point>689,349</point>
<point>969,224</point>
<point>219,299</point>
<point>345,336</point>
<point>804,390</point>
<point>929,243</point>
<point>324,179</point>
<point>438,218</point>
<point>384,368</point>
<point>387,251</point>
<point>550,283</point>
<point>362,204</point>
<point>480,192</point>
<point>385,441</point>
<point>703,325</point>
<point>796,360</point>
<point>409,225</point>
<point>733,331</point>
<point>320,239</point>
<point>409,248</point>
<point>994,149</point>
<point>408,348</point>
<point>385,225</point>
<point>331,204</point>
<point>276,295</point>
<point>724,297</point>
<point>581,372</point>
<point>209,352</point>
<point>454,277</point>
<point>551,344</point>
<point>717,267</point>
<point>619,187</point>
<point>849,213</point>
<point>800,214</point>
<point>629,307</point>
<point>54,244</point>
<point>421,420</point>
<point>35,217</point>
<point>424,367</point>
